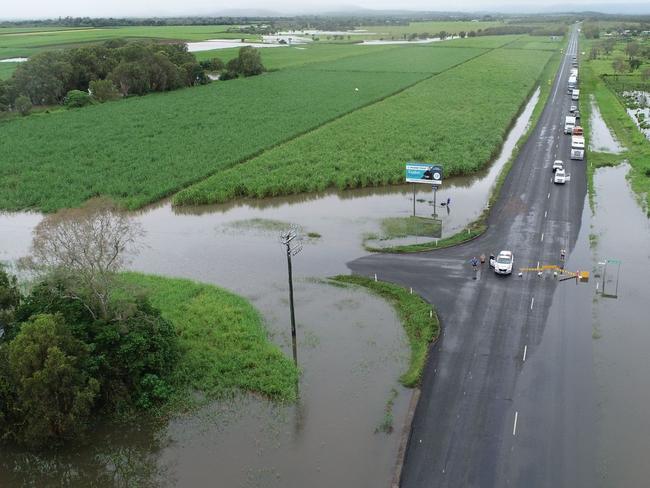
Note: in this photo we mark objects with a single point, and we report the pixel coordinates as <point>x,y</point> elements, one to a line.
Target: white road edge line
<point>514,427</point>
<point>525,351</point>
<point>542,239</point>
<point>532,301</point>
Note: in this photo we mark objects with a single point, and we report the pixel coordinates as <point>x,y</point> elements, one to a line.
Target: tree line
<point>114,69</point>
<point>78,346</point>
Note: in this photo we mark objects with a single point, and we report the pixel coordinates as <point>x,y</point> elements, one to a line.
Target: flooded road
<point>351,345</point>
<point>621,231</point>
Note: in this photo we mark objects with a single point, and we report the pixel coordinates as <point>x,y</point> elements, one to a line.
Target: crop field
<point>7,69</point>
<point>432,27</point>
<point>288,57</point>
<point>418,60</point>
<point>542,43</point>
<point>492,42</point>
<point>28,43</point>
<point>139,150</point>
<point>460,125</point>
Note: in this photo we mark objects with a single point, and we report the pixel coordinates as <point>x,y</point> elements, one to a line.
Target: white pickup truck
<point>575,95</point>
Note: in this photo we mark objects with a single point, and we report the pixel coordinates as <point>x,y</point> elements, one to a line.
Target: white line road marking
<point>548,196</point>
<point>545,212</point>
<point>542,239</point>
<point>538,264</point>
<point>514,427</point>
<point>525,351</point>
<point>532,301</point>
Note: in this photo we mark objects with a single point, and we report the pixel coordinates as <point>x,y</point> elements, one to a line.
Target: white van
<point>569,124</point>
<point>573,82</point>
<point>578,142</point>
<point>575,95</point>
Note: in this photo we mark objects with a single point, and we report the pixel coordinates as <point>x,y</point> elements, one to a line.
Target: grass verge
<point>420,323</point>
<point>224,347</point>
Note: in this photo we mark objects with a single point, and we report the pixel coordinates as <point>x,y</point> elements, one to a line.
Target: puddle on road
<point>621,231</point>
<point>601,137</point>
<point>351,345</point>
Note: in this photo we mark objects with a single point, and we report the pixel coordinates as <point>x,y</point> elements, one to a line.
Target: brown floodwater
<point>351,346</point>
<point>621,332</point>
<point>601,137</point>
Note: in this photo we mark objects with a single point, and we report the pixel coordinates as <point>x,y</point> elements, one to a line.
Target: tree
<point>608,45</point>
<point>45,78</point>
<point>462,34</point>
<point>645,74</point>
<point>213,65</point>
<point>634,64</point>
<point>54,393</point>
<point>619,65</point>
<point>24,105</point>
<point>632,49</point>
<point>131,78</point>
<point>77,99</point>
<point>442,35</point>
<point>250,61</point>
<point>9,299</point>
<point>103,90</point>
<point>84,249</point>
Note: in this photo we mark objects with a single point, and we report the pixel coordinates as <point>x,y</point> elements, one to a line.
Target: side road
<point>467,419</point>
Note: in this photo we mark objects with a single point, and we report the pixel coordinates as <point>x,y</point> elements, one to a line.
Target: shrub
<point>77,99</point>
<point>103,90</point>
<point>23,105</point>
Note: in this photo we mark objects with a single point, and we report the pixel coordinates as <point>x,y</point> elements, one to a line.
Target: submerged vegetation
<point>418,318</point>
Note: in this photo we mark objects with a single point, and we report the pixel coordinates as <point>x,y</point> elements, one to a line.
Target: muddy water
<point>622,333</point>
<point>351,345</point>
<point>601,137</point>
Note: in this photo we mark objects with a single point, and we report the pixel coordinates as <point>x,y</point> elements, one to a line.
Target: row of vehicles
<point>504,261</point>
<point>572,128</point>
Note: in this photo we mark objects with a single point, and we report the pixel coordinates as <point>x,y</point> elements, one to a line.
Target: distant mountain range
<point>519,8</point>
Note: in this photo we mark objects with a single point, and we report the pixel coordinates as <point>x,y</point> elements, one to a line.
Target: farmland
<point>462,130</point>
<point>142,149</point>
<point>6,69</point>
<point>16,44</point>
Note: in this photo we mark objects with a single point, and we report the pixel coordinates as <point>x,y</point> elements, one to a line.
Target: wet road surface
<point>506,392</point>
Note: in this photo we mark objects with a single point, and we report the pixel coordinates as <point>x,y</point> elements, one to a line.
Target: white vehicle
<point>578,154</point>
<point>569,124</point>
<point>578,142</point>
<point>573,72</point>
<point>558,164</point>
<point>573,82</point>
<point>560,177</point>
<point>573,109</point>
<point>575,95</point>
<point>502,264</point>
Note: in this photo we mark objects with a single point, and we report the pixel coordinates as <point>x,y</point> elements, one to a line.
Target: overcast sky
<point>29,9</point>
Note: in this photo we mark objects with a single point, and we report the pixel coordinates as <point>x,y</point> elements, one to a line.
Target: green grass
<point>399,227</point>
<point>140,150</point>
<point>418,318</point>
<point>7,69</point>
<point>432,27</point>
<point>28,43</point>
<point>471,232</point>
<point>612,109</point>
<point>460,125</point>
<point>224,346</point>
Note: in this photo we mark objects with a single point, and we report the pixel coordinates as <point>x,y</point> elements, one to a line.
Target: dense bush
<point>77,99</point>
<point>59,367</point>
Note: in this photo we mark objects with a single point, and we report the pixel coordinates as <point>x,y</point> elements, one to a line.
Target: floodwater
<point>13,60</point>
<point>351,346</point>
<point>428,40</point>
<point>209,45</point>
<point>621,332</point>
<point>601,137</point>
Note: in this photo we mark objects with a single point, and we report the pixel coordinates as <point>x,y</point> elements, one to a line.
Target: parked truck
<point>569,124</point>
<point>575,95</point>
<point>578,142</point>
<point>578,154</point>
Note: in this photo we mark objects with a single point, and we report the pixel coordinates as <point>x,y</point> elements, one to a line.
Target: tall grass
<point>224,347</point>
<point>458,119</point>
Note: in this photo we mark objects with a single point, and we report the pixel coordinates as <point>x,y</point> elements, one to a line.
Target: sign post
<point>429,174</point>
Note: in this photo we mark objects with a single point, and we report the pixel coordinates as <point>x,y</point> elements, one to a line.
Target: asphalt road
<point>501,403</point>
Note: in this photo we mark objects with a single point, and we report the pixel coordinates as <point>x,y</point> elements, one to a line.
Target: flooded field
<point>351,346</point>
<point>640,110</point>
<point>621,231</point>
<point>601,136</point>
